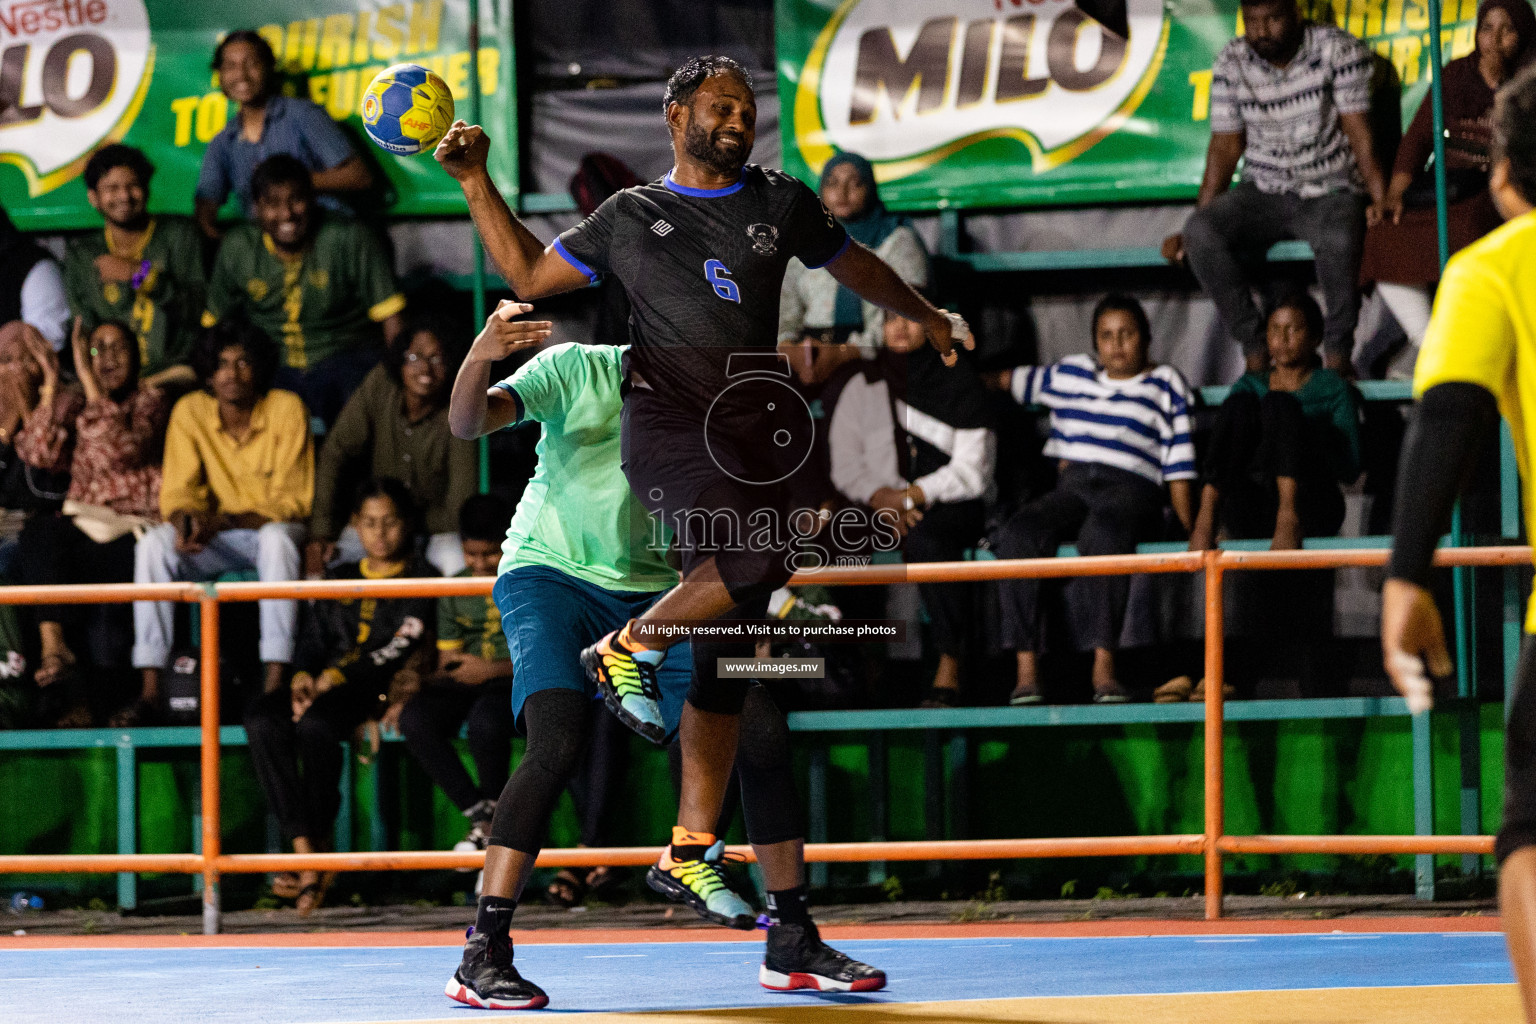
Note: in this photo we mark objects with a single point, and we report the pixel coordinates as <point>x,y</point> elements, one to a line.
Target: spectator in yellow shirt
<point>238,482</point>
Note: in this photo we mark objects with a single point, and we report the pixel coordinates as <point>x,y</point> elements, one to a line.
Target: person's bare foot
<point>1026,689</point>
<point>1106,686</point>
<point>1287,532</point>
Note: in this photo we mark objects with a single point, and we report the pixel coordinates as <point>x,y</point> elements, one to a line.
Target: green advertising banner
<point>77,74</point>
<point>1004,102</point>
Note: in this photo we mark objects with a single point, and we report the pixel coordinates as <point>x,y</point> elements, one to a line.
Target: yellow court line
<point>1427,1004</point>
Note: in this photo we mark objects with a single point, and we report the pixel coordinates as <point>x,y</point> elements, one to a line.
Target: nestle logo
<point>27,19</point>
<point>662,228</point>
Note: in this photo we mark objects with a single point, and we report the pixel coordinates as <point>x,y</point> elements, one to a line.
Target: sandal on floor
<point>1025,695</point>
<point>940,697</point>
<point>140,712</point>
<point>1174,691</point>
<point>602,882</point>
<point>1227,690</point>
<point>312,896</point>
<point>285,885</point>
<point>566,890</point>
<point>1113,694</point>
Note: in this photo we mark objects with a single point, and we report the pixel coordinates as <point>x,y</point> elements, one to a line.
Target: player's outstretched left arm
<point>475,408</point>
<point>1453,421</point>
<point>532,270</point>
<point>872,279</point>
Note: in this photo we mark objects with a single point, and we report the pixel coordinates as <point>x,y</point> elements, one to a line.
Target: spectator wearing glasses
<point>1120,428</point>
<point>237,484</point>
<point>320,286</point>
<point>396,425</point>
<point>107,436</point>
<point>268,123</point>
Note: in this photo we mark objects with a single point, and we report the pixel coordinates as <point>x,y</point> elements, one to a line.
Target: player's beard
<point>698,144</point>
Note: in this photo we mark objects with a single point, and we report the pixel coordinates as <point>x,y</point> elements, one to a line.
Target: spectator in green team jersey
<point>320,286</point>
<point>141,270</point>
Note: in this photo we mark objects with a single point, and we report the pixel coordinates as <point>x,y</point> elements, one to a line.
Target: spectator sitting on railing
<point>811,302</point>
<point>143,271</point>
<point>238,480</point>
<point>269,123</point>
<point>357,659</point>
<point>108,436</point>
<point>1402,253</point>
<point>320,286</point>
<point>397,425</point>
<point>31,285</point>
<point>1290,100</point>
<point>910,439</point>
<point>473,682</point>
<point>24,490</point>
<point>1120,427</point>
<point>1284,440</point>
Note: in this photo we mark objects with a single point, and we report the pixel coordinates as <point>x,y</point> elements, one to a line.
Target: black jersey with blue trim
<point>702,269</point>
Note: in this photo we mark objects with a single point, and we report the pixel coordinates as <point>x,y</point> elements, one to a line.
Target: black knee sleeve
<point>769,798</point>
<point>557,725</point>
<point>1519,827</point>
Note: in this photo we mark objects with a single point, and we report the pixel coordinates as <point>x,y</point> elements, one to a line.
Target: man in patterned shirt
<point>1290,100</point>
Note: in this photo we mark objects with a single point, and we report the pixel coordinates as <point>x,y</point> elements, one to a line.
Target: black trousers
<point>299,763</point>
<point>51,550</point>
<point>1519,825</point>
<point>430,721</point>
<point>944,533</point>
<point>1256,440</point>
<point>1108,511</point>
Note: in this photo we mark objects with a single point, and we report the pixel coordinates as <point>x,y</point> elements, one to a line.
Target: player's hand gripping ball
<point>407,109</point>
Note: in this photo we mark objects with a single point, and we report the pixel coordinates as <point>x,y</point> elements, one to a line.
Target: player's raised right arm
<point>475,408</point>
<point>532,270</point>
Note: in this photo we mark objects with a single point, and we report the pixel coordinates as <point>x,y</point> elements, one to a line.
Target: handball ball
<point>407,109</point>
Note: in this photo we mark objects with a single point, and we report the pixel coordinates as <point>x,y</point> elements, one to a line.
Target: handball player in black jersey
<point>713,438</point>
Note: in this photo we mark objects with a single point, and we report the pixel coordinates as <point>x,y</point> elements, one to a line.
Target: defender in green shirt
<point>321,286</point>
<point>142,271</point>
<point>582,557</point>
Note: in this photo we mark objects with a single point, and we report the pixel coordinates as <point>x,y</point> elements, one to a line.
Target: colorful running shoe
<point>487,979</point>
<point>628,685</point>
<point>796,957</point>
<point>702,885</point>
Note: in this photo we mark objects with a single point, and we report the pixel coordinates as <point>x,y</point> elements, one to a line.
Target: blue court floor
<point>321,985</point>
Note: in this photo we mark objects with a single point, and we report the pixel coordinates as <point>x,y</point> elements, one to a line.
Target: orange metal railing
<point>1212,844</point>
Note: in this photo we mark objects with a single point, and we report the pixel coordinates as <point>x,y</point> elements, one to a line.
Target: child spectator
<point>1284,440</point>
<point>356,658</point>
<point>31,285</point>
<point>1120,427</point>
<point>268,123</point>
<point>143,271</point>
<point>910,439</point>
<point>811,302</point>
<point>397,425</point>
<point>320,286</point>
<point>238,481</point>
<point>108,437</point>
<point>473,682</point>
<point>1291,101</point>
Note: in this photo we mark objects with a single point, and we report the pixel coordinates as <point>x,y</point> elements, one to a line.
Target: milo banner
<point>999,102</point>
<point>77,74</point>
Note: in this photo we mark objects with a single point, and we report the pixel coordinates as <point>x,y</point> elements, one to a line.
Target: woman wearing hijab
<point>812,303</point>
<point>1402,253</point>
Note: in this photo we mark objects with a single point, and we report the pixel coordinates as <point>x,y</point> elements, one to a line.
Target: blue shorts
<point>549,617</point>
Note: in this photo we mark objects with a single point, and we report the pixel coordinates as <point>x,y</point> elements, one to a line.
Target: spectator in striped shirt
<point>1291,101</point>
<point>1284,441</point>
<point>1120,427</point>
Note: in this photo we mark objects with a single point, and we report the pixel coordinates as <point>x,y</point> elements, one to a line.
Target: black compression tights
<point>558,726</point>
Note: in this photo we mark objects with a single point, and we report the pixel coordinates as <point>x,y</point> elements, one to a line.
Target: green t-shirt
<point>1331,406</point>
<point>163,311</point>
<point>578,514</point>
<point>329,299</point>
<point>471,624</point>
